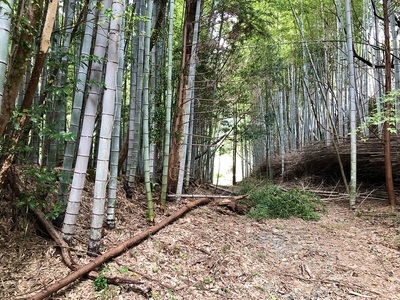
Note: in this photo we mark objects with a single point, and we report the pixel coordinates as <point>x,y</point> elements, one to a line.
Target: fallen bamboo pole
<point>203,196</point>
<point>48,290</point>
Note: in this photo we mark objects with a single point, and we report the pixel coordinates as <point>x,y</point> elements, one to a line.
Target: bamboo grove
<point>153,91</point>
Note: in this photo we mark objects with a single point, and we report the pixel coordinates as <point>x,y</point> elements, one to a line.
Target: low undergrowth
<point>268,201</point>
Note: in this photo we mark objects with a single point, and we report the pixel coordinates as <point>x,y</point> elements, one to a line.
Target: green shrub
<point>40,182</point>
<point>269,201</point>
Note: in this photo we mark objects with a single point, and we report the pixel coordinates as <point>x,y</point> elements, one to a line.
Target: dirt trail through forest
<point>212,253</point>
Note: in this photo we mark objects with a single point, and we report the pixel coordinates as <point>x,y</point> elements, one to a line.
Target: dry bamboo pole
<point>48,290</point>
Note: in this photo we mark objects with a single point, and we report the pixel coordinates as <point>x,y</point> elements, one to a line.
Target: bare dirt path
<point>212,253</point>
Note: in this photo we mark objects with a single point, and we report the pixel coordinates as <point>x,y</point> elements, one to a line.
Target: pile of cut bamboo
<point>320,162</point>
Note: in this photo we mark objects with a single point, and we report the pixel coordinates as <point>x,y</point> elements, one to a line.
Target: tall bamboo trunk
<point>88,128</point>
<point>107,122</point>
<point>75,121</point>
<point>137,135</point>
<point>146,112</point>
<point>167,130</point>
<point>353,134</point>
<point>116,137</point>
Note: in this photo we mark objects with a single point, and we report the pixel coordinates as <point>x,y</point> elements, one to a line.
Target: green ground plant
<point>268,201</point>
<point>101,283</point>
<point>101,287</point>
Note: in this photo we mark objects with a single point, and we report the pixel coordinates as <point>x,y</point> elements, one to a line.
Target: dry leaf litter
<point>212,253</point>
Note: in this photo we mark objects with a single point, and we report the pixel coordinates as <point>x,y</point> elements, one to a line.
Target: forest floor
<point>213,253</point>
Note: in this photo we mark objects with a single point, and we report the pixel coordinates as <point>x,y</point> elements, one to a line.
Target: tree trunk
<point>235,145</point>
<point>176,145</point>
<point>396,61</point>
<point>32,86</point>
<point>388,108</point>
<point>18,62</point>
<point>5,24</point>
<point>189,98</point>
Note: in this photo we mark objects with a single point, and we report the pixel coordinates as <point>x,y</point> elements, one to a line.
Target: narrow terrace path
<point>212,253</point>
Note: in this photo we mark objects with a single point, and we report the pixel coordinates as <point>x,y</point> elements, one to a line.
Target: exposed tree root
<point>47,291</point>
<point>57,238</point>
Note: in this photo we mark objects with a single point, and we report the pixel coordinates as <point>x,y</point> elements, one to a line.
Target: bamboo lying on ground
<point>207,196</point>
<point>47,291</point>
<point>70,263</point>
<point>220,189</point>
